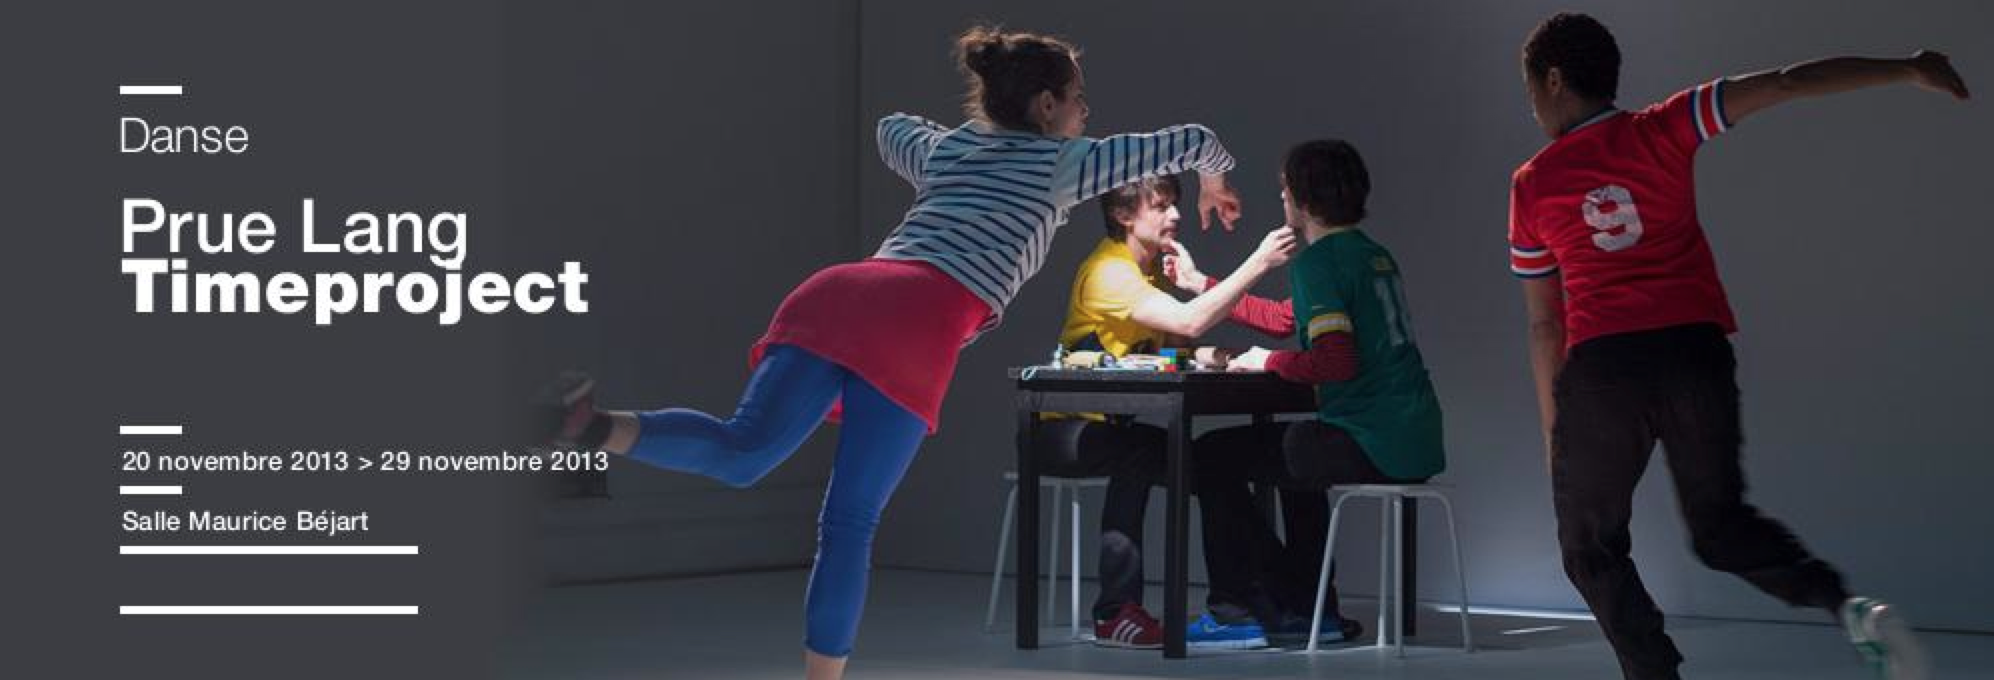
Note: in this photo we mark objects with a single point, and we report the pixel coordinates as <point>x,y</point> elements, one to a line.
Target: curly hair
<point>1581,49</point>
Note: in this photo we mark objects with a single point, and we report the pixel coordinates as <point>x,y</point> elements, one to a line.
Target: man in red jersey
<point>1628,332</point>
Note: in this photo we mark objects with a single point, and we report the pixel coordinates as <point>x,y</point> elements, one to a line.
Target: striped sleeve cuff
<point>1531,263</point>
<point>1706,106</point>
<point>1331,322</point>
<point>904,142</point>
<point>1209,157</point>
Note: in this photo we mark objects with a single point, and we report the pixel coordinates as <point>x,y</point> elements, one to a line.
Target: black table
<point>1173,397</point>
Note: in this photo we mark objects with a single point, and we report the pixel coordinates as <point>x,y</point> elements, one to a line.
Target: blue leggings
<point>786,399</point>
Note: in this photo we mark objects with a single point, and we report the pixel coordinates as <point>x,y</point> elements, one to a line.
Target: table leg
<point>1028,527</point>
<point>1176,561</point>
<point>1265,496</point>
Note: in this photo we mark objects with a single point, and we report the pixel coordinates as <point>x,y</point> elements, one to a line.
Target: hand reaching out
<point>1276,247</point>
<point>1216,199</point>
<point>1933,71</point>
<point>1181,269</point>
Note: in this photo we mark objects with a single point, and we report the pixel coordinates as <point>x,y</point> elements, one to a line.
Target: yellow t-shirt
<point>1099,315</point>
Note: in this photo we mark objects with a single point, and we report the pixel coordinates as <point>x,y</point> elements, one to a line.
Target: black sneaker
<point>1293,631</point>
<point>563,408</point>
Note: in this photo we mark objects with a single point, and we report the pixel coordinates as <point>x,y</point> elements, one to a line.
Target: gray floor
<point>930,625</point>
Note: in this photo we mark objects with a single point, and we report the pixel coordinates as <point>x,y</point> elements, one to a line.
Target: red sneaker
<point>1132,628</point>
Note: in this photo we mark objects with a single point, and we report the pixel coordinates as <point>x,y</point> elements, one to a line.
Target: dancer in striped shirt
<point>875,342</point>
<point>989,200</point>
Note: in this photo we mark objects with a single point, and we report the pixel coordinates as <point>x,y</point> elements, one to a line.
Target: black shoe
<point>1293,631</point>
<point>563,408</point>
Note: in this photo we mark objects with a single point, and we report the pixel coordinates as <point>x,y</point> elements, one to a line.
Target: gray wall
<point>1843,228</point>
<point>697,158</point>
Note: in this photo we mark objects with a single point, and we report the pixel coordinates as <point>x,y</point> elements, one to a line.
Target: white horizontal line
<point>1554,614</point>
<point>1527,631</point>
<point>169,490</point>
<point>268,550</point>
<point>173,90</point>
<point>149,429</point>
<point>134,610</point>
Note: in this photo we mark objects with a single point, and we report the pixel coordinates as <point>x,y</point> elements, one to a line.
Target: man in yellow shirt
<point>1122,304</point>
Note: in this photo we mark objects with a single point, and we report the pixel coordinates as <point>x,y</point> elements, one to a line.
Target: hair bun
<point>1006,70</point>
<point>979,48</point>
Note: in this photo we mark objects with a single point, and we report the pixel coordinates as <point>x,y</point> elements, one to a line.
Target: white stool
<point>1060,486</point>
<point>1391,550</point>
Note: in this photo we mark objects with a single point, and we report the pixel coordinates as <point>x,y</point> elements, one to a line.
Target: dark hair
<point>1326,178</point>
<point>1006,70</point>
<point>1122,202</point>
<point>1580,48</point>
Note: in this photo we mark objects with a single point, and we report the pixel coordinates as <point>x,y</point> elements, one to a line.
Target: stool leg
<point>1385,568</point>
<point>1003,543</point>
<point>1052,559</point>
<point>1460,572</point>
<point>1322,579</point>
<point>1399,605</point>
<point>1074,572</point>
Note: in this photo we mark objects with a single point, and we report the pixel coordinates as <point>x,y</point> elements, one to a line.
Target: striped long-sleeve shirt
<point>988,201</point>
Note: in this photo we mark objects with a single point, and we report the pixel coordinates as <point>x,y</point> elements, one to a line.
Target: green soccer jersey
<point>1346,282</point>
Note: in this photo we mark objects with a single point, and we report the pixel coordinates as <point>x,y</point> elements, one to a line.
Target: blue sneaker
<point>1208,633</point>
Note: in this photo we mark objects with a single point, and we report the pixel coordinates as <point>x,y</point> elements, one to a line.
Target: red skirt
<point>898,324</point>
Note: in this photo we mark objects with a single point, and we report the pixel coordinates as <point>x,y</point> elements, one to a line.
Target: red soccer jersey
<point>1611,205</point>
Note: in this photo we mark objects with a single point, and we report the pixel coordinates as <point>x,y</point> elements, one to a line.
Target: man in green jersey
<point>1378,420</point>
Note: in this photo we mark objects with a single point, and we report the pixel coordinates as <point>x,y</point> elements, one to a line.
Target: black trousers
<point>1616,397</point>
<point>1131,456</point>
<point>1253,573</point>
